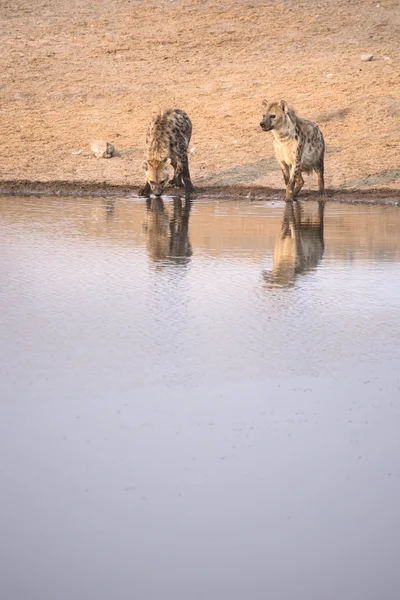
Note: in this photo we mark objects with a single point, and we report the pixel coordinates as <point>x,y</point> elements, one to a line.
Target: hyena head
<point>157,174</point>
<point>276,115</point>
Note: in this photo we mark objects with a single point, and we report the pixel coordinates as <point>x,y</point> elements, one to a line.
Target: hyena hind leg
<point>189,189</point>
<point>320,175</point>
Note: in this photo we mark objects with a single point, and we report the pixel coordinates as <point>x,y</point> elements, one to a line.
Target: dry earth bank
<point>78,71</point>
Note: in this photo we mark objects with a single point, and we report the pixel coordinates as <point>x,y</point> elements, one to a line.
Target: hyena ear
<point>264,103</point>
<point>288,110</point>
<point>145,165</point>
<point>167,161</point>
<point>284,106</point>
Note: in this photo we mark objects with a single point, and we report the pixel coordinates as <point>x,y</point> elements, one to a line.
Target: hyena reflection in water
<point>168,235</point>
<point>299,247</point>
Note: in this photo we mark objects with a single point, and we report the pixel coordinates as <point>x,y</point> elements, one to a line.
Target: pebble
<point>102,149</point>
<point>366,57</point>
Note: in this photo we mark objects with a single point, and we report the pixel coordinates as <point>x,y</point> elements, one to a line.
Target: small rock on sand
<point>102,149</point>
<point>366,57</point>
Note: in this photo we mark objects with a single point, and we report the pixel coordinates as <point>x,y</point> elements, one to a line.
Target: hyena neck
<point>156,161</point>
<point>158,148</point>
<point>157,155</point>
<point>287,132</point>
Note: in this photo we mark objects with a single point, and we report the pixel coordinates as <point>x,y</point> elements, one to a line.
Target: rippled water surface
<point>199,402</point>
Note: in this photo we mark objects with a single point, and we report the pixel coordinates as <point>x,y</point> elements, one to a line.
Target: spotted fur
<point>299,145</point>
<point>167,143</point>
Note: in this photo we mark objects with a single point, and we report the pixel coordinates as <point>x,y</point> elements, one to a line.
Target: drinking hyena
<point>167,143</point>
<point>299,145</point>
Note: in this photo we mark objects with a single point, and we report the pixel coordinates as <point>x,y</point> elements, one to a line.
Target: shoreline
<point>24,187</point>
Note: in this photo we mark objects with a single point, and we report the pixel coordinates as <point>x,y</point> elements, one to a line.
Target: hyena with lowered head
<point>167,143</point>
<point>299,145</point>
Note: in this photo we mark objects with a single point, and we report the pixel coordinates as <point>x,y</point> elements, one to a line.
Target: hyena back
<point>167,143</point>
<point>299,145</point>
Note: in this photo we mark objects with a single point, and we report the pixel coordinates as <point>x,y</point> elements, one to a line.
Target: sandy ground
<point>72,72</point>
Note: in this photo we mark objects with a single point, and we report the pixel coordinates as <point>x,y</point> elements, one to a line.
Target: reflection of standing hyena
<point>299,247</point>
<point>299,145</point>
<point>167,143</point>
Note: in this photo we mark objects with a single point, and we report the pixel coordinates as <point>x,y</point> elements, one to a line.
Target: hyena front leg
<point>179,175</point>
<point>173,180</point>
<point>177,178</point>
<point>146,190</point>
<point>285,172</point>
<point>299,185</point>
<point>294,173</point>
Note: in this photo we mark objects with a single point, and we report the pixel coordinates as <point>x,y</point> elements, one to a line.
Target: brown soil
<point>74,72</point>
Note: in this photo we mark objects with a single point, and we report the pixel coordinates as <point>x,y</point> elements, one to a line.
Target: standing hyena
<point>167,143</point>
<point>299,145</point>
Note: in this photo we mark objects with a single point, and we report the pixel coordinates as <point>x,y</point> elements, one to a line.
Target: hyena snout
<point>157,188</point>
<point>157,175</point>
<point>266,124</point>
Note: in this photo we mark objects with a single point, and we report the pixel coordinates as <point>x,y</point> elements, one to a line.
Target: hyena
<point>299,145</point>
<point>167,143</point>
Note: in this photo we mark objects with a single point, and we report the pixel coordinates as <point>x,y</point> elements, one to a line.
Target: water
<point>199,402</point>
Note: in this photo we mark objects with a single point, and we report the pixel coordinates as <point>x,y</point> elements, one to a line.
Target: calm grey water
<point>199,402</point>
